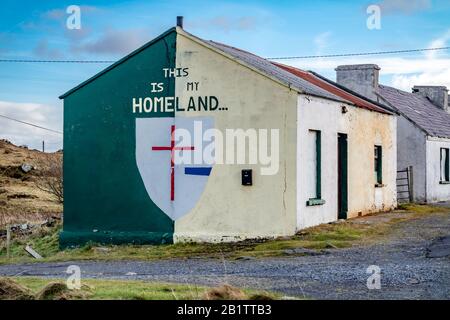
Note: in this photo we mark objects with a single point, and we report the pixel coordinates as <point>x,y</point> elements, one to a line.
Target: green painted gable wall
<point>105,198</point>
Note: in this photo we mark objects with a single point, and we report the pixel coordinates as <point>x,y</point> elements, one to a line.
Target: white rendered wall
<point>364,129</point>
<point>435,190</point>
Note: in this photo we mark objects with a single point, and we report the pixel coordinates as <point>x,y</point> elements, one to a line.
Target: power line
<point>31,124</point>
<point>271,58</point>
<point>360,54</point>
<point>55,61</point>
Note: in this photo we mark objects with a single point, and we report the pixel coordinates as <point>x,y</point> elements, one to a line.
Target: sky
<point>110,29</point>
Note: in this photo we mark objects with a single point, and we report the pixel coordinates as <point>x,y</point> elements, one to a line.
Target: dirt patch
<point>439,248</point>
<point>12,172</point>
<point>20,199</point>
<point>21,196</point>
<point>59,291</point>
<point>11,290</point>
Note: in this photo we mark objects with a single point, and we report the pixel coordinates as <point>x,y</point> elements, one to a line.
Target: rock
<point>25,167</point>
<point>32,252</point>
<point>330,245</point>
<point>245,258</point>
<point>102,249</point>
<point>302,252</point>
<point>21,196</point>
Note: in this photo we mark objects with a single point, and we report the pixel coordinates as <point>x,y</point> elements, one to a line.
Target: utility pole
<point>8,241</point>
<point>43,146</point>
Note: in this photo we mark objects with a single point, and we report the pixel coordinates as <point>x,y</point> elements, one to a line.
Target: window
<point>314,145</point>
<point>445,167</point>
<point>378,156</point>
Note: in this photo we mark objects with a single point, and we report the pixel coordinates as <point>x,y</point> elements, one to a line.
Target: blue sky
<point>110,29</point>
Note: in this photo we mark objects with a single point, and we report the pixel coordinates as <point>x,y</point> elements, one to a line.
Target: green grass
<point>95,289</point>
<point>420,209</point>
<point>337,235</point>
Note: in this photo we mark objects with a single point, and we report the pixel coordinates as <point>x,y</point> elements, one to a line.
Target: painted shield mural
<point>161,144</point>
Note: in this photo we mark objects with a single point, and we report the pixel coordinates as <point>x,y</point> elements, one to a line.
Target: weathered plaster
<point>411,152</point>
<point>435,190</point>
<point>228,211</point>
<point>364,129</point>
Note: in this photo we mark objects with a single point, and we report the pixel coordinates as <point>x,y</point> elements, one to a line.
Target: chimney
<point>180,21</point>
<point>360,78</point>
<point>436,94</point>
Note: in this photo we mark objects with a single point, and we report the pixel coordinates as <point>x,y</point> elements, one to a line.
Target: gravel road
<point>414,263</point>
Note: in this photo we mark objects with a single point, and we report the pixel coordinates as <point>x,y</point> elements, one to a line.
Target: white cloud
<point>39,114</point>
<point>437,43</point>
<point>431,68</point>
<point>322,41</point>
<point>406,82</point>
<point>225,23</point>
<point>43,50</point>
<point>113,41</point>
<point>404,6</point>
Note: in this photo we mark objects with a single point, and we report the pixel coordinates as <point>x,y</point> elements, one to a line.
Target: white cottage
<point>423,133</point>
<point>333,154</point>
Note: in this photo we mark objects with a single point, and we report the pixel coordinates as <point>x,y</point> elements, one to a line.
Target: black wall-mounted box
<point>247,177</point>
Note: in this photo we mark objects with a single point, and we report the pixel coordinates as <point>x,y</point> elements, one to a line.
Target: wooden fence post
<point>411,183</point>
<point>8,241</point>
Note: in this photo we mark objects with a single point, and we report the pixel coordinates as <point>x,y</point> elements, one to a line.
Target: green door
<point>342,176</point>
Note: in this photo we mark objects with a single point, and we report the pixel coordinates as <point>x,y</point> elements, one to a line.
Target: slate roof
<point>334,88</point>
<point>418,109</point>
<point>304,81</point>
<point>271,69</point>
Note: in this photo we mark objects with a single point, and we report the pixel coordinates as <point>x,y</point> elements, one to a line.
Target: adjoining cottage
<point>331,154</point>
<point>423,133</point>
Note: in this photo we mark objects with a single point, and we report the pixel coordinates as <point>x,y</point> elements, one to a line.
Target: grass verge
<point>364,230</point>
<point>94,289</point>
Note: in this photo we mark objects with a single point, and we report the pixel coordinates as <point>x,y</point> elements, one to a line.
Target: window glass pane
<point>444,165</point>
<point>378,165</point>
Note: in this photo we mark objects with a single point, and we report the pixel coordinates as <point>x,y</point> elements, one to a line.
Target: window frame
<point>444,177</point>
<point>317,200</point>
<point>378,165</point>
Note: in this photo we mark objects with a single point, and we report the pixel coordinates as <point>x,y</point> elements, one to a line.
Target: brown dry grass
<point>225,292</point>
<point>20,200</point>
<point>59,291</point>
<point>11,290</point>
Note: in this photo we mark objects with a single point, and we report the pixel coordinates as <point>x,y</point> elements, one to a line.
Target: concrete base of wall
<point>79,238</point>
<point>220,238</point>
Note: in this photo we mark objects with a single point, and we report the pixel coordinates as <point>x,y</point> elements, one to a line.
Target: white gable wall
<point>436,191</point>
<point>226,210</point>
<point>411,152</point>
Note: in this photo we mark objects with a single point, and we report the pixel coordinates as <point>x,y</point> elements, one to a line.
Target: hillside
<point>21,200</point>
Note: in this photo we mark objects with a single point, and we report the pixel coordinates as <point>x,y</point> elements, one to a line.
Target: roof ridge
<point>235,48</point>
<point>419,110</point>
<point>334,88</point>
